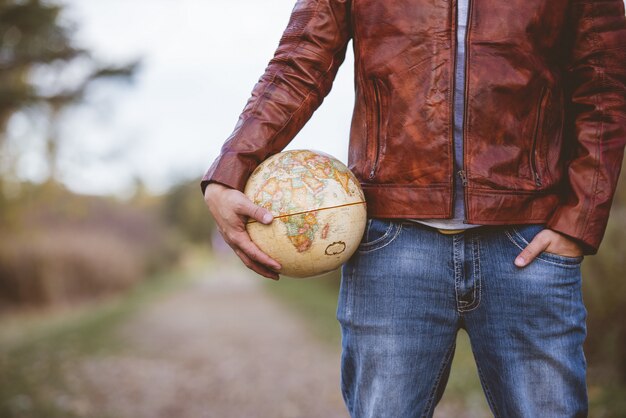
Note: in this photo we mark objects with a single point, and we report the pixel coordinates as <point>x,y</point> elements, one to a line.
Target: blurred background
<point>117,297</point>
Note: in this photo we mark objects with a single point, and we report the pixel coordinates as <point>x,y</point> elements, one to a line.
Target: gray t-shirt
<point>459,103</point>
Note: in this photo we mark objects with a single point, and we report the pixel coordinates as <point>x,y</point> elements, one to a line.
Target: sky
<point>200,61</point>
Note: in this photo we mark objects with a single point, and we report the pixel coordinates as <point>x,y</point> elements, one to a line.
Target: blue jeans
<point>407,291</point>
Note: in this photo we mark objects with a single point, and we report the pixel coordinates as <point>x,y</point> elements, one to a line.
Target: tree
<point>35,44</point>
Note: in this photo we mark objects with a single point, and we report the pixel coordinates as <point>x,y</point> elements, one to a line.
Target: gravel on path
<point>223,348</point>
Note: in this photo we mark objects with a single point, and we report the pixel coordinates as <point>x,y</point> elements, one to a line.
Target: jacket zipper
<point>463,173</point>
<point>463,177</point>
<point>454,22</point>
<point>377,141</point>
<point>533,148</point>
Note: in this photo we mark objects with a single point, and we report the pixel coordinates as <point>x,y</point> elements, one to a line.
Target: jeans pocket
<point>378,234</point>
<point>521,235</point>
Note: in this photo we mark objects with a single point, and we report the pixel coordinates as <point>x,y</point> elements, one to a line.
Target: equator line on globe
<point>319,211</point>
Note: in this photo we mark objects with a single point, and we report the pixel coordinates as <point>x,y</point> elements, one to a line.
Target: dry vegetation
<point>61,248</point>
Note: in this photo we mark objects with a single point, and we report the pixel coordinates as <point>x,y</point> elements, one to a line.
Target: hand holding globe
<point>231,209</point>
<point>318,209</point>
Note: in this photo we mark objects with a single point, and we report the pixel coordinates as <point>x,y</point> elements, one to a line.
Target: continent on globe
<point>300,191</point>
<point>335,248</point>
<point>317,204</point>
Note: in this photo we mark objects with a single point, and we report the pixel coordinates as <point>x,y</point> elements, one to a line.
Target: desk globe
<point>318,207</point>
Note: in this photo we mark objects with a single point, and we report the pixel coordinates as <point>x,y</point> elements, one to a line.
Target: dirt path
<point>220,348</point>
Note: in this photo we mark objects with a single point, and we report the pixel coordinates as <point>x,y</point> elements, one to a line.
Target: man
<point>488,138</point>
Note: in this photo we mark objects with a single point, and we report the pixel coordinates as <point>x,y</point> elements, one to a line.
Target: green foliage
<point>37,52</point>
<point>184,209</point>
<point>315,299</point>
<point>31,35</point>
<point>605,296</point>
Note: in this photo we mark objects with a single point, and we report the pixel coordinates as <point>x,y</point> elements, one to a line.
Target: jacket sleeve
<point>596,76</point>
<point>294,84</point>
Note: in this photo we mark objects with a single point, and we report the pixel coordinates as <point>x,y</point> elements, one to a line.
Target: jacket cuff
<point>566,220</point>
<point>230,169</point>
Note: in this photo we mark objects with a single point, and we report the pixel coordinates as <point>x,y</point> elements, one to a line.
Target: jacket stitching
<point>224,160</point>
<point>304,101</point>
<point>467,120</point>
<point>589,203</point>
<point>398,185</point>
<point>449,120</point>
<point>596,176</point>
<point>280,69</point>
<point>515,192</point>
<point>310,92</point>
<point>280,66</point>
<point>338,23</point>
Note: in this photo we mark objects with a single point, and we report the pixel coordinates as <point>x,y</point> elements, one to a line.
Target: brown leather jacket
<point>545,113</point>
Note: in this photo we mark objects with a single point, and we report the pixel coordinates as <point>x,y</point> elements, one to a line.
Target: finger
<point>253,211</point>
<point>532,250</point>
<point>256,267</point>
<point>255,253</point>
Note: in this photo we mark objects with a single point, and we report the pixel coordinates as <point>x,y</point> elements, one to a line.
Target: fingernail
<point>277,266</point>
<point>520,262</point>
<point>267,218</point>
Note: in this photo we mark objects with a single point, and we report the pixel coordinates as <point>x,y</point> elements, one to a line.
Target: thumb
<point>256,212</point>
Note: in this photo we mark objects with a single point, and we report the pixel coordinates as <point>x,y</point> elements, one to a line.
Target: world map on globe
<point>294,186</point>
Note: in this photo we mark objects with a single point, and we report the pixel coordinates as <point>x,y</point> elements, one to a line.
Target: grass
<point>315,300</point>
<point>36,347</point>
<point>463,389</point>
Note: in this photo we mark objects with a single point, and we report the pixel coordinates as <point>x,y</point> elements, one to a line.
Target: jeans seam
<point>393,238</point>
<point>349,313</point>
<point>478,286</point>
<point>350,293</point>
<point>348,309</point>
<point>488,394</point>
<point>367,229</point>
<point>379,239</point>
<point>455,254</point>
<point>539,257</point>
<point>445,362</point>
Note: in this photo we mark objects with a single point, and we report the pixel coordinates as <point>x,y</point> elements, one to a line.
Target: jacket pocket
<point>377,124</point>
<point>537,135</point>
